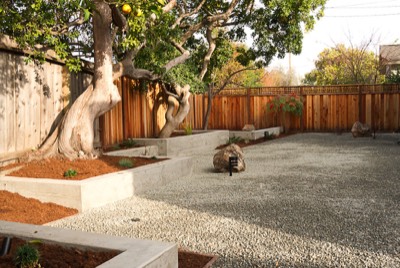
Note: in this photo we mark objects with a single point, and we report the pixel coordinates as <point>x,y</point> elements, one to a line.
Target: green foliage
<point>234,139</point>
<point>27,256</point>
<point>70,173</point>
<point>342,65</point>
<point>393,77</point>
<point>269,136</point>
<point>291,104</point>
<point>125,162</point>
<point>276,26</point>
<point>187,128</point>
<point>128,143</point>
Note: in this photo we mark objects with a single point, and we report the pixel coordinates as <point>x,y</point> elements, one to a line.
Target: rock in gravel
<point>221,159</point>
<point>360,130</point>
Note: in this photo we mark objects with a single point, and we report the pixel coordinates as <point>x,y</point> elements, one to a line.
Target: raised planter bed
<point>100,190</point>
<point>256,134</point>
<point>134,252</point>
<point>186,145</point>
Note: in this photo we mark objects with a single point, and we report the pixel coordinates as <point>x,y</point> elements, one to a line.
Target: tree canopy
<point>345,65</point>
<point>170,42</point>
<point>158,36</point>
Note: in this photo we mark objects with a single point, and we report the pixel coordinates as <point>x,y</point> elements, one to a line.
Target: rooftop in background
<point>390,53</point>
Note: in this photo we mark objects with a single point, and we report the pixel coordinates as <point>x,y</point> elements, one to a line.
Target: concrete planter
<point>100,190</point>
<point>187,145</point>
<point>134,252</point>
<point>256,134</point>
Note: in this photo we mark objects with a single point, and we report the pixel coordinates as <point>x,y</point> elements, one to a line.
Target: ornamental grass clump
<point>125,162</point>
<point>27,256</point>
<point>286,103</point>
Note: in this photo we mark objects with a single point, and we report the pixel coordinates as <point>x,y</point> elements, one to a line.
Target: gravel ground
<point>306,200</point>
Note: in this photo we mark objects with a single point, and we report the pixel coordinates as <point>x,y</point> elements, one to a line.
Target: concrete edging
<point>256,134</point>
<point>100,190</point>
<point>187,144</point>
<point>134,252</point>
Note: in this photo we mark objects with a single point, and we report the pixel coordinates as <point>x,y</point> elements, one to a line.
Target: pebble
<point>306,200</point>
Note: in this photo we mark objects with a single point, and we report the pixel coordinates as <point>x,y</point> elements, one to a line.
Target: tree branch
<point>207,57</point>
<point>227,81</point>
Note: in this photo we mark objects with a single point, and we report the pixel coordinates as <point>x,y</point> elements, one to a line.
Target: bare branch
<point>185,15</point>
<point>207,57</point>
<point>230,77</point>
<point>168,7</point>
<point>169,93</point>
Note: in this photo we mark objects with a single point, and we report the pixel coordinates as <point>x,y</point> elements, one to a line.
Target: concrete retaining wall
<point>187,145</point>
<point>100,190</point>
<point>256,134</point>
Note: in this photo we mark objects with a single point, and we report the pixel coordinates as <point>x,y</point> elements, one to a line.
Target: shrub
<point>288,103</point>
<point>128,143</point>
<point>234,140</point>
<point>70,173</point>
<point>188,129</point>
<point>27,256</point>
<point>125,162</point>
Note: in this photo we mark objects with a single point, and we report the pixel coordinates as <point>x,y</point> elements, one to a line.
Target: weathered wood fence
<point>32,98</point>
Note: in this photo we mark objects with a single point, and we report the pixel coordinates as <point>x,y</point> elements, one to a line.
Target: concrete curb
<point>135,252</point>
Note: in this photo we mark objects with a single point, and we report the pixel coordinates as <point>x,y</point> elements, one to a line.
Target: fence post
<point>248,107</point>
<point>360,119</point>
<point>304,107</point>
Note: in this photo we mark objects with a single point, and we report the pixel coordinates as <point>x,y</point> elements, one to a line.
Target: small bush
<point>269,136</point>
<point>125,162</point>
<point>234,140</point>
<point>116,147</point>
<point>70,173</point>
<point>27,256</point>
<point>128,143</point>
<point>188,129</point>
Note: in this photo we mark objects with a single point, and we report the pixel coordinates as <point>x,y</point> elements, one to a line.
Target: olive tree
<point>150,40</point>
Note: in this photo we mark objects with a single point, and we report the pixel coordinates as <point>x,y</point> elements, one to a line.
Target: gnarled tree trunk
<point>76,132</point>
<point>173,121</point>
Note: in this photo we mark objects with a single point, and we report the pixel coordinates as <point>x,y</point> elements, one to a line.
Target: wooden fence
<point>32,98</point>
<point>328,108</point>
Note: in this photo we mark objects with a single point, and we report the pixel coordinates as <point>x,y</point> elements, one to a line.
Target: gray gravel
<point>306,200</point>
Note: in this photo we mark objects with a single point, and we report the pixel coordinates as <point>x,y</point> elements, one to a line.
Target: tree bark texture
<point>173,121</point>
<point>76,133</point>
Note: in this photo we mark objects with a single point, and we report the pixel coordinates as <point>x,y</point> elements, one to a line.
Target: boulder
<point>360,130</point>
<point>248,127</point>
<point>221,158</point>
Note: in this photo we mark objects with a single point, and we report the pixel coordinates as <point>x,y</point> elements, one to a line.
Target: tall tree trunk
<point>209,106</point>
<point>76,133</point>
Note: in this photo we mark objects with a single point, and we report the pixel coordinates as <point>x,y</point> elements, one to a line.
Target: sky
<point>345,21</point>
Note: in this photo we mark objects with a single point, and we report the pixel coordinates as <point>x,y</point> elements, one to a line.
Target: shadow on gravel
<point>334,189</point>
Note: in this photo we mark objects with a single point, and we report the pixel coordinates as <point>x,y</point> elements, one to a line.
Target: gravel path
<point>306,200</point>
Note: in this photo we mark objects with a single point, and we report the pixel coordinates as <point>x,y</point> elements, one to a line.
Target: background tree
<point>232,66</point>
<point>345,65</point>
<point>278,77</point>
<point>152,42</point>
